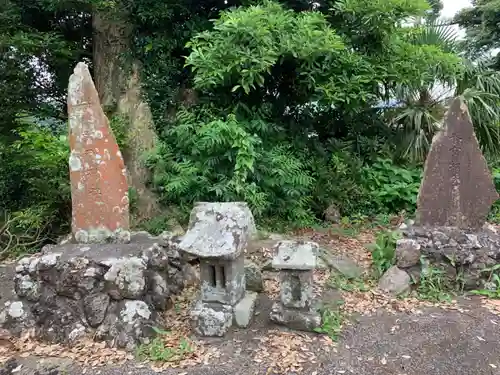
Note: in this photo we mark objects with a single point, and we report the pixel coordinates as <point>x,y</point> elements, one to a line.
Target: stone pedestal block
<point>302,320</point>
<point>296,261</point>
<point>211,318</point>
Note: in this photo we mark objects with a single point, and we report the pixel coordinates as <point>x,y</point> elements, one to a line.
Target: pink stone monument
<point>99,188</point>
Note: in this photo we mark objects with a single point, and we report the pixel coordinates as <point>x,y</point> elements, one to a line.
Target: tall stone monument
<point>457,189</point>
<point>99,188</point>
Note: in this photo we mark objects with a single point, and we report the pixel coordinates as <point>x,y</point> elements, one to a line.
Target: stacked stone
<point>296,261</point>
<point>218,234</point>
<point>110,290</point>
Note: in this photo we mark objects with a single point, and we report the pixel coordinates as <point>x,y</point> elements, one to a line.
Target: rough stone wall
<point>463,253</point>
<point>112,291</point>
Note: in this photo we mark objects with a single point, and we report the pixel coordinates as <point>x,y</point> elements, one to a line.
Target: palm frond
<point>424,106</point>
<point>437,34</point>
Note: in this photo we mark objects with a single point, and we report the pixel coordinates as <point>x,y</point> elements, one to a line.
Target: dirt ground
<point>382,335</point>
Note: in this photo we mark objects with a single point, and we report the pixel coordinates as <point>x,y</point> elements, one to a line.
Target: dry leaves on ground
<point>493,305</point>
<point>285,352</point>
<point>85,352</point>
<point>176,340</point>
<point>363,302</point>
<point>185,351</point>
<point>366,303</point>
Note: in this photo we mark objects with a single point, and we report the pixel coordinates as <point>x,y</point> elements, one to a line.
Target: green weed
<point>433,285</point>
<point>384,251</point>
<point>331,322</point>
<point>158,351</point>
<point>493,281</point>
<point>339,281</point>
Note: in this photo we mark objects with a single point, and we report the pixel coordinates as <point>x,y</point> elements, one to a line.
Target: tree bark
<point>117,79</point>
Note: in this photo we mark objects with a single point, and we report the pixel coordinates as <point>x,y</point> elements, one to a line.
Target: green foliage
<point>384,251</point>
<point>494,283</point>
<point>331,322</point>
<point>339,181</point>
<point>433,285</point>
<point>422,108</point>
<point>283,104</point>
<point>481,23</point>
<point>119,126</point>
<point>37,207</point>
<point>158,351</point>
<point>392,188</point>
<point>341,282</point>
<point>204,157</point>
<point>494,215</point>
<point>261,36</point>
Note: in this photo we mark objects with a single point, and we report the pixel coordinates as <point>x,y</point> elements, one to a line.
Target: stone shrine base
<point>110,290</point>
<point>213,319</point>
<point>464,254</point>
<point>295,318</point>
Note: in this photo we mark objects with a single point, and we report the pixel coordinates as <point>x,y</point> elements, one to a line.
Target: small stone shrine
<point>105,282</point>
<point>296,261</point>
<point>218,234</point>
<point>455,197</point>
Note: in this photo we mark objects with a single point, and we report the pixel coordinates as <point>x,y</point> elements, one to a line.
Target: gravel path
<point>437,342</point>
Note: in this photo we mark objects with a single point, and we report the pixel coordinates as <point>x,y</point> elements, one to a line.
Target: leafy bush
<point>495,209</point>
<point>392,188</point>
<point>205,157</point>
<point>384,251</point>
<point>492,285</point>
<point>338,181</point>
<point>34,185</point>
<point>433,285</point>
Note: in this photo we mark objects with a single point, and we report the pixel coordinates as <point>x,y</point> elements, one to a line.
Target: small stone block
<point>244,310</point>
<point>295,319</point>
<point>211,319</point>
<point>296,289</point>
<point>295,255</point>
<point>407,253</point>
<point>253,277</point>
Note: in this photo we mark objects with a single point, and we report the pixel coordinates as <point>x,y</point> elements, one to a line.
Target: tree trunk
<point>117,79</point>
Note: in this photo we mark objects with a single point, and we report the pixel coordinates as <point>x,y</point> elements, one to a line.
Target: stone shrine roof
<point>295,255</point>
<point>218,230</point>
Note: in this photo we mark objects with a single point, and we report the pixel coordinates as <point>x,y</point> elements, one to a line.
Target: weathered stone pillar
<point>99,188</point>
